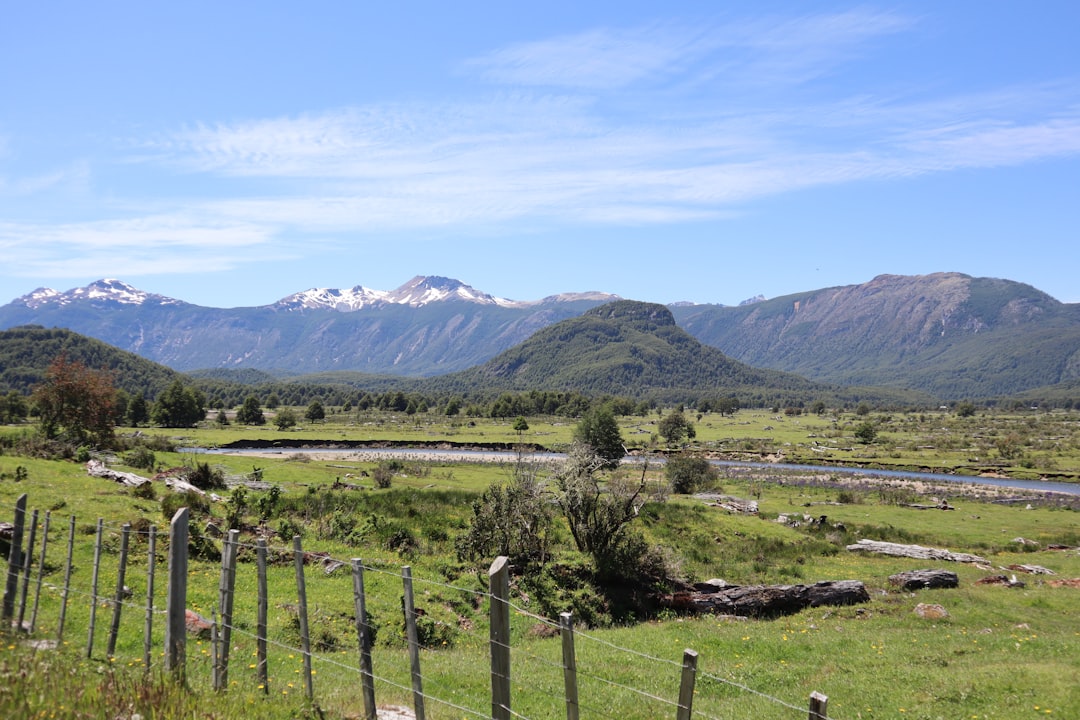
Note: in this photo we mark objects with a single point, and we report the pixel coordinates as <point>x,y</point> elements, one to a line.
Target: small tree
<point>315,411</point>
<point>138,412</point>
<point>13,407</point>
<point>178,407</point>
<point>250,413</point>
<point>965,409</point>
<point>75,403</point>
<point>674,428</point>
<point>520,426</point>
<point>285,419</point>
<point>866,432</point>
<point>599,430</point>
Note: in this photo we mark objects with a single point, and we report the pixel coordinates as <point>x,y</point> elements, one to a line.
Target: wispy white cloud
<point>598,127</point>
<point>143,245</point>
<point>769,49</point>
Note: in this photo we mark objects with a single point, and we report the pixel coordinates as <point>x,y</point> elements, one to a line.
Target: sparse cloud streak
<point>650,122</point>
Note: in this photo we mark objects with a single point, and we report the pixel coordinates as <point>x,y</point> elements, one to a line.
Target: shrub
<point>690,473</point>
<point>382,475</point>
<point>198,505</point>
<point>140,457</point>
<point>204,477</point>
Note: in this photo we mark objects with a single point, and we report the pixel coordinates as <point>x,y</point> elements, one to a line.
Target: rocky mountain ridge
<point>946,333</point>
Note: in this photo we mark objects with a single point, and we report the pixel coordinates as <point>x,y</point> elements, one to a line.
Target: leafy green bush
<point>140,457</point>
<point>688,474</point>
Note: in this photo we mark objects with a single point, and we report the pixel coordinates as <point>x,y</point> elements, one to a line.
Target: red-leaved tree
<point>76,403</point>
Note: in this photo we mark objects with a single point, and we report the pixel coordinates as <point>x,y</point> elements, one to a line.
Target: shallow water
<point>504,456</point>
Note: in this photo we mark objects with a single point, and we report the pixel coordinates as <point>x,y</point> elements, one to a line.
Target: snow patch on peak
<point>107,290</point>
<point>349,300</point>
<point>422,290</point>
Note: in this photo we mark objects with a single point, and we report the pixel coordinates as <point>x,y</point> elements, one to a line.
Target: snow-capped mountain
<point>428,325</point>
<point>106,290</point>
<point>349,300</point>
<point>419,291</point>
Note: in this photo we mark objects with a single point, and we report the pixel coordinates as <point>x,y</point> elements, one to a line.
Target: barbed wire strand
<point>111,599</point>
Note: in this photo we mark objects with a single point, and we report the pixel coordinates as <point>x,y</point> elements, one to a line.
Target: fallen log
<point>923,579</point>
<point>768,600</point>
<point>96,468</point>
<point>917,552</point>
<point>1031,569</point>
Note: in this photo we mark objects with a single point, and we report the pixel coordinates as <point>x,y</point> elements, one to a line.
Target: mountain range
<point>947,334</point>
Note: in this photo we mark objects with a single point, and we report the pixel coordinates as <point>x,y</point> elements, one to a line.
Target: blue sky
<point>233,153</point>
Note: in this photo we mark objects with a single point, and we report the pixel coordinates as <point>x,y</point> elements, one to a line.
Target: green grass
<point>1001,653</point>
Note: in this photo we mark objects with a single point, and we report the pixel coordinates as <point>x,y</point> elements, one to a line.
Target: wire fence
<point>582,676</point>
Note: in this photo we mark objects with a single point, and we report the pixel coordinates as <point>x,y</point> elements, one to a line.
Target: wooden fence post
<point>363,637</point>
<point>215,654</point>
<point>41,570</point>
<point>818,706</point>
<point>569,660</point>
<point>148,625</point>
<point>11,588</point>
<point>305,638</point>
<point>499,634</point>
<point>118,599</point>
<point>686,687</point>
<point>176,603</point>
<point>28,564</point>
<point>67,580</point>
<point>260,621</point>
<point>226,593</point>
<point>94,587</point>
<point>409,608</point>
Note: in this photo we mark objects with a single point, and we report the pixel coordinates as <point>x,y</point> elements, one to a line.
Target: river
<point>460,455</point>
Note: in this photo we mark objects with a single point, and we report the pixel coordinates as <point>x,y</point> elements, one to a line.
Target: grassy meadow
<point>1000,653</point>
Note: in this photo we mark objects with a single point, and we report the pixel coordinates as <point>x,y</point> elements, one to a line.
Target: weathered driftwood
<point>1007,581</point>
<point>96,468</point>
<point>769,600</point>
<point>921,579</point>
<point>736,505</point>
<point>1031,569</point>
<point>943,505</point>
<point>917,552</point>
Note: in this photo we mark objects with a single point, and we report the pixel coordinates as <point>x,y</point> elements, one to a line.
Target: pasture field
<point>1000,653</point>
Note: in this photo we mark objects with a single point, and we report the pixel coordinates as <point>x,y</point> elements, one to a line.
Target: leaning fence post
<point>686,687</point>
<point>260,621</point>
<point>818,706</point>
<point>148,626</point>
<point>94,587</point>
<point>41,571</point>
<point>569,661</point>
<point>67,580</point>
<point>226,593</point>
<point>118,599</point>
<point>414,642</point>
<point>499,588</point>
<point>363,636</point>
<point>11,589</point>
<point>305,638</point>
<point>176,603</point>
<point>28,564</point>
